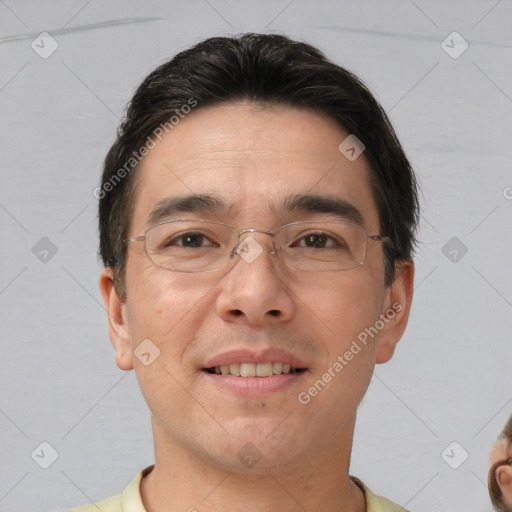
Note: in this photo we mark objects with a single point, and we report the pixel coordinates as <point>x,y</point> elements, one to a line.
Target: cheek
<point>344,304</point>
<point>343,314</point>
<point>163,308</point>
<point>155,295</point>
<point>168,308</point>
<point>339,383</point>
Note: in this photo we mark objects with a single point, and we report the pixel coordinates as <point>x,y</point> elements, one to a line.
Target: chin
<point>256,448</point>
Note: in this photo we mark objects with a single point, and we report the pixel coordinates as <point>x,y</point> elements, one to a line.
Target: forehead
<point>252,157</point>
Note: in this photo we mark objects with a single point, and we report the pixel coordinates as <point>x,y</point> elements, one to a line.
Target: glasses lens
<point>202,246</point>
<point>190,246</point>
<point>322,246</point>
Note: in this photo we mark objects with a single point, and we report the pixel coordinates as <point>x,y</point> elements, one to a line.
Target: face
<point>255,311</point>
<point>501,451</point>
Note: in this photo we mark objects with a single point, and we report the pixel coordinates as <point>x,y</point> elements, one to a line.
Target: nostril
<point>274,312</point>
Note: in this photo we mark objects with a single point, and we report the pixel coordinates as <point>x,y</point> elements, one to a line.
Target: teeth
<point>264,369</point>
<point>247,370</point>
<point>277,368</point>
<point>253,370</point>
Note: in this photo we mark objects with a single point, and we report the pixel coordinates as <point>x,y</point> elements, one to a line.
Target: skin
<point>502,450</point>
<point>253,156</point>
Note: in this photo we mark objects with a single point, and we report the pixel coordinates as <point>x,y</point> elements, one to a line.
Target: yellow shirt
<point>130,500</point>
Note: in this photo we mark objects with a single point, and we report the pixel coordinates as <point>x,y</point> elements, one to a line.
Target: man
<point>257,219</point>
<point>500,474</point>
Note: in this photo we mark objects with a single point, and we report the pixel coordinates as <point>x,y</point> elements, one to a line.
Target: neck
<point>185,481</point>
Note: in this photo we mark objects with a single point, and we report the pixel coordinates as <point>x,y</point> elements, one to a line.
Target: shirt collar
<point>131,500</point>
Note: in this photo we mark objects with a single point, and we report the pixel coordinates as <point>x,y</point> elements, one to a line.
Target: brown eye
<point>192,240</point>
<point>188,240</point>
<point>317,241</point>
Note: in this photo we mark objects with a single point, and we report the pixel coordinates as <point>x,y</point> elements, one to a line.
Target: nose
<point>254,291</point>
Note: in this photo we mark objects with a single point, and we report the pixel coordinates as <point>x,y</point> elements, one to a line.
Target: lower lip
<point>255,385</point>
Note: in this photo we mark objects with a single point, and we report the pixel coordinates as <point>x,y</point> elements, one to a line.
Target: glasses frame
<point>239,233</point>
<point>492,483</point>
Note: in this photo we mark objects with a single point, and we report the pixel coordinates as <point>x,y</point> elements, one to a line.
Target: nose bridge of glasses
<point>245,235</point>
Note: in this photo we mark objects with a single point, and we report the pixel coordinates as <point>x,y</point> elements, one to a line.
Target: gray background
<point>450,378</point>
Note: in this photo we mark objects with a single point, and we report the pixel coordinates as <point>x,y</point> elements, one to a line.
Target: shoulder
<point>377,503</point>
<point>113,504</point>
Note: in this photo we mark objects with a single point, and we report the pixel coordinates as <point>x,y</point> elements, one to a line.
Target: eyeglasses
<point>494,488</point>
<point>204,246</point>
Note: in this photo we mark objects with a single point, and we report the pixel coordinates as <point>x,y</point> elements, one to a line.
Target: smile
<point>254,369</point>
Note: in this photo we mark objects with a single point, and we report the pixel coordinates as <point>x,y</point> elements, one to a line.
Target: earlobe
<point>117,320</point>
<point>395,314</point>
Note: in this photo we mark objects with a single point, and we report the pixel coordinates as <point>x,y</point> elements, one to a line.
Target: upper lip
<point>273,354</point>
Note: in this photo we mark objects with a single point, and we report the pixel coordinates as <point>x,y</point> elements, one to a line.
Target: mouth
<point>261,370</point>
<point>254,373</point>
<point>254,379</point>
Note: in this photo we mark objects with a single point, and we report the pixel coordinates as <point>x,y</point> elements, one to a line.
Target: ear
<point>396,308</point>
<point>504,479</point>
<point>117,320</point>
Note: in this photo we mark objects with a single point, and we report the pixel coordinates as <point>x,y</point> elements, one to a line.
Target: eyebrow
<point>300,203</point>
<point>312,203</point>
<point>193,203</point>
